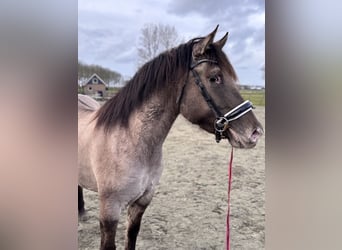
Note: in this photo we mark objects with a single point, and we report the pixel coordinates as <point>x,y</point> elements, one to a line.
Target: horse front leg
<point>134,217</point>
<point>109,218</point>
<point>80,201</point>
<point>108,231</point>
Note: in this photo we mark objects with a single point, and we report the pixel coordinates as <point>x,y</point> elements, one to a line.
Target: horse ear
<point>221,42</point>
<point>202,45</point>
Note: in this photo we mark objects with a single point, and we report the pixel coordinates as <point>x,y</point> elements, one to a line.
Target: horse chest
<point>146,182</point>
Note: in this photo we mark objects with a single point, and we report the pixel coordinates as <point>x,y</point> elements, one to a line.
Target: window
<point>90,88</point>
<point>95,80</point>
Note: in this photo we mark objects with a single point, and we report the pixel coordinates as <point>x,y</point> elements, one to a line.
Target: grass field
<point>257,97</point>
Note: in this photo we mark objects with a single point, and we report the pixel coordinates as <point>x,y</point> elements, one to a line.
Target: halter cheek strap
<point>202,88</point>
<point>205,94</point>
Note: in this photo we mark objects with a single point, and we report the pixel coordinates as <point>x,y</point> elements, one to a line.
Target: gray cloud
<point>108,32</point>
<point>235,8</point>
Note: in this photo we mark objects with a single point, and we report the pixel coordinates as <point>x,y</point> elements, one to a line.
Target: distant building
<point>95,87</point>
<point>251,87</point>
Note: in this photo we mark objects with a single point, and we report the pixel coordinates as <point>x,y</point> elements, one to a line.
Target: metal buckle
<point>221,126</point>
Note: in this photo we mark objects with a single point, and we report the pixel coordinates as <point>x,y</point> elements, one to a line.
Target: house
<point>95,87</point>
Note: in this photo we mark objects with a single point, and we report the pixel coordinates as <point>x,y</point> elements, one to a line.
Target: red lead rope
<point>228,213</point>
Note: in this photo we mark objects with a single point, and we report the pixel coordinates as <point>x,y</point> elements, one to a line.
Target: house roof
<point>89,81</point>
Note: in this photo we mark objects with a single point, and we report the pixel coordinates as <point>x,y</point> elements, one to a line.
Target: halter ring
<point>222,125</point>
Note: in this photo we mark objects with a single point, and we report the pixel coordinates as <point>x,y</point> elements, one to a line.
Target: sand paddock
<point>189,208</point>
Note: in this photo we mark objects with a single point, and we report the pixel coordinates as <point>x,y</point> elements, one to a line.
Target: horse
<point>120,143</point>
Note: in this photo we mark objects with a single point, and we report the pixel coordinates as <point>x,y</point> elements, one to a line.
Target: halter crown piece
<point>222,121</point>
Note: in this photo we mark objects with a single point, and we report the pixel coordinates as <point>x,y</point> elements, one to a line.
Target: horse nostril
<point>257,133</point>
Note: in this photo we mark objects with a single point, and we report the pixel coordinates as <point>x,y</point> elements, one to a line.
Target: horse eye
<point>212,79</point>
<point>215,79</point>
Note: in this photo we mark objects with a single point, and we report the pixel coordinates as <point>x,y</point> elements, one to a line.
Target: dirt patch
<point>189,208</point>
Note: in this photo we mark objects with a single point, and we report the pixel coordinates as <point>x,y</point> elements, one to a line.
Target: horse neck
<point>156,117</point>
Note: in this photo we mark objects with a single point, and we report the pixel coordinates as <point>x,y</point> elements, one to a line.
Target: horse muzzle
<point>242,141</point>
<point>221,124</point>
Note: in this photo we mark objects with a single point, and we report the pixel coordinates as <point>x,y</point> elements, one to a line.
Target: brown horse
<point>120,143</point>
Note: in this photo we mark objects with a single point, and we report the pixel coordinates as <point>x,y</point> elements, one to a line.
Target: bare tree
<point>85,71</point>
<point>154,39</point>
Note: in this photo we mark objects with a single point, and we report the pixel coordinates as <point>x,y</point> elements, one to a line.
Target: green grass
<point>257,97</point>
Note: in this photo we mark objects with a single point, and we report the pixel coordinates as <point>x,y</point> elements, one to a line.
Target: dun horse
<point>120,143</point>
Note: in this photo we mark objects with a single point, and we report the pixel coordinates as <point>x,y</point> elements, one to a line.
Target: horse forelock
<point>224,62</point>
<point>163,71</point>
<point>216,54</point>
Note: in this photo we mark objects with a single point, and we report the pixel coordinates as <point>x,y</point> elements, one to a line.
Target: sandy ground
<point>189,208</point>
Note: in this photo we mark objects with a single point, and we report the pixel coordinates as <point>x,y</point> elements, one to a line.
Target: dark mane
<point>150,78</point>
<point>153,76</point>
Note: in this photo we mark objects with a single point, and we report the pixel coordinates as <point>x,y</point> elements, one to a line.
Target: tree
<point>154,39</point>
<point>85,71</point>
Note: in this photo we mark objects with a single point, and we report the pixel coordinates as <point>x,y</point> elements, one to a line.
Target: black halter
<point>222,121</point>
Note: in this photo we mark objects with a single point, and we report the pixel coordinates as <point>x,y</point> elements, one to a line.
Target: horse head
<point>211,91</point>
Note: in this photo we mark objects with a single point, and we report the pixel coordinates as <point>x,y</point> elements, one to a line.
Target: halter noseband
<point>222,121</point>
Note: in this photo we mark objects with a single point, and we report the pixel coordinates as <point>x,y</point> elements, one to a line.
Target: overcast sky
<point>108,31</point>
